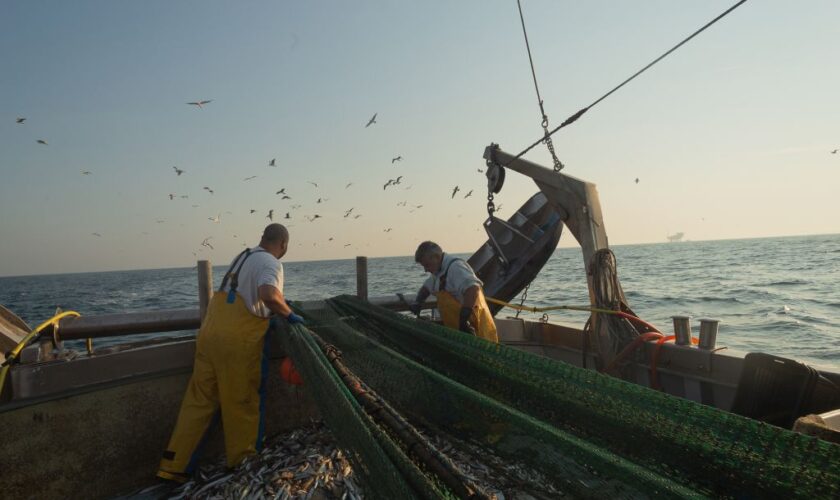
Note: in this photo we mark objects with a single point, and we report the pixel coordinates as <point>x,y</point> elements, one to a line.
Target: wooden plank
<point>361,278</point>
<point>205,286</point>
<point>12,330</point>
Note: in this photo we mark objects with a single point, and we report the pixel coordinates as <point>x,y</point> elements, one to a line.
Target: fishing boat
<point>94,423</point>
<point>68,417</point>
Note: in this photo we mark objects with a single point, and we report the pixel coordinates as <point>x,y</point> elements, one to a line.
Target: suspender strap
<point>442,280</point>
<point>229,272</point>
<point>234,274</point>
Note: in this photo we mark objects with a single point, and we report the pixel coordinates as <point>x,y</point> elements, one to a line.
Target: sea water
<point>774,295</point>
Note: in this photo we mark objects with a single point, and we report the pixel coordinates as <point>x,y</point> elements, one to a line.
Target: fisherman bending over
<point>460,298</point>
<point>230,359</point>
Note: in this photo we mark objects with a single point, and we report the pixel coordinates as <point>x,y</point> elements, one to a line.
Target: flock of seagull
<point>350,213</point>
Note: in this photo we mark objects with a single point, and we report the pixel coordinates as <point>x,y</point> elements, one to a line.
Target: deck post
<point>205,286</point>
<point>361,278</point>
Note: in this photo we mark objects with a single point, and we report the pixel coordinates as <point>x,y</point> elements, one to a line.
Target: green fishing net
<point>595,435</point>
<point>385,470</point>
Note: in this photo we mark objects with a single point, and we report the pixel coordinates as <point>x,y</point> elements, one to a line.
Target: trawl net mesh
<point>594,435</point>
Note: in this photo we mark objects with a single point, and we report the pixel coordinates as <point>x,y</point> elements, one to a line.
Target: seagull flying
<point>372,120</point>
<point>287,216</point>
<point>41,141</point>
<point>286,197</point>
<point>388,230</point>
<point>178,170</point>
<point>480,171</point>
<point>282,191</point>
<point>171,196</point>
<point>206,242</point>
<point>207,189</point>
<point>270,215</point>
<point>316,216</point>
<point>96,234</point>
<point>392,182</point>
<point>468,194</point>
<point>835,151</point>
<point>86,172</point>
<point>398,158</point>
<point>348,185</point>
<point>347,213</point>
<point>347,244</point>
<point>200,103</point>
<point>20,120</point>
<point>249,178</point>
<point>217,219</point>
<point>251,211</point>
<point>455,191</point>
<point>313,183</point>
<point>271,163</point>
<point>637,180</point>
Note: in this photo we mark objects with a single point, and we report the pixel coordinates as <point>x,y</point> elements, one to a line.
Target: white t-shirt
<point>459,278</point>
<point>261,268</point>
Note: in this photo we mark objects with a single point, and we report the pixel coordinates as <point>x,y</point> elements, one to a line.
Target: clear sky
<point>730,136</point>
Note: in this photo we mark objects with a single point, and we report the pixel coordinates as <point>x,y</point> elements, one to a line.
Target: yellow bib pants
<point>228,375</point>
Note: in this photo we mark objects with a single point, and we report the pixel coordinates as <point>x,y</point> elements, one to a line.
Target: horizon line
<point>398,256</point>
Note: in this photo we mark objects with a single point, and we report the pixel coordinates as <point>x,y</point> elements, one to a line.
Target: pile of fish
<point>306,464</point>
<point>498,478</point>
<point>302,464</point>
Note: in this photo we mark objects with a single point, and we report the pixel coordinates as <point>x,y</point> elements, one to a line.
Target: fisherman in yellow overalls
<point>230,359</point>
<point>460,298</point>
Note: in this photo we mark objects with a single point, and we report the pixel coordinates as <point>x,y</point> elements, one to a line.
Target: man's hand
<point>415,308</point>
<point>464,321</point>
<point>294,319</point>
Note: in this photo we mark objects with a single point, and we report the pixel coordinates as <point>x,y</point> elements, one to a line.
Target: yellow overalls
<point>229,372</point>
<point>450,311</point>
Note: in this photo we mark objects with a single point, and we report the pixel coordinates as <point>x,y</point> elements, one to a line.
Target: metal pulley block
<point>495,177</point>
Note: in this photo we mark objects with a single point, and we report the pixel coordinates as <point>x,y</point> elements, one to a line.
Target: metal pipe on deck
<point>708,333</point>
<point>112,325</point>
<point>682,330</point>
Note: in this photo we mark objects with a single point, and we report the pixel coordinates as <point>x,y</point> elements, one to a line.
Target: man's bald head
<point>275,233</point>
<point>275,239</point>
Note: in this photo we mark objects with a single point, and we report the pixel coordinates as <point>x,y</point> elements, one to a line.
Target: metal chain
<point>491,207</point>
<point>558,165</point>
<point>524,296</point>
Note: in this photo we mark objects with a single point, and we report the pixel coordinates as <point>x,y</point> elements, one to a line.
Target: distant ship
<point>677,237</point>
